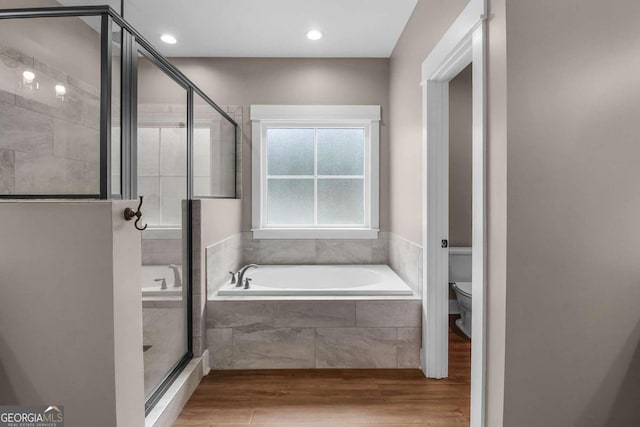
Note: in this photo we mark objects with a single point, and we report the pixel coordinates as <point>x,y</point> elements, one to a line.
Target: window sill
<point>313,233</point>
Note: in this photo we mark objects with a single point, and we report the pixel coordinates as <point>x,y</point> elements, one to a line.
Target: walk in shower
<point>89,109</point>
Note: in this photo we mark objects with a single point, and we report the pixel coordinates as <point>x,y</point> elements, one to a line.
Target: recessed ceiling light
<point>168,38</point>
<point>314,35</point>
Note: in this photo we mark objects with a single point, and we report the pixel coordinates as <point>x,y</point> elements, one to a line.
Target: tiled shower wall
<point>157,176</point>
<point>47,145</point>
<point>162,157</point>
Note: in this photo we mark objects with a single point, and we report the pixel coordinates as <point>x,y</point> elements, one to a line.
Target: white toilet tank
<point>459,264</point>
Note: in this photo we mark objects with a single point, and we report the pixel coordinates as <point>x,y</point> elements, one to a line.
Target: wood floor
<point>297,398</point>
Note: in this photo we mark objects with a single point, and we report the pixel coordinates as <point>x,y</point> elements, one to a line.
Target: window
<point>315,171</point>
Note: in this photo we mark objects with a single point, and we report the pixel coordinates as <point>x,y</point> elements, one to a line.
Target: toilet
<point>463,295</point>
<point>460,280</point>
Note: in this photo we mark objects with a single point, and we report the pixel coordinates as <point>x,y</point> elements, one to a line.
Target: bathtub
<point>320,280</point>
<point>151,288</point>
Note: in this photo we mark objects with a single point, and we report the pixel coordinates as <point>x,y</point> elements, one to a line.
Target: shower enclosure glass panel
<point>214,152</point>
<point>89,109</point>
<point>50,106</point>
<point>162,171</point>
<point>25,4</point>
<point>116,105</point>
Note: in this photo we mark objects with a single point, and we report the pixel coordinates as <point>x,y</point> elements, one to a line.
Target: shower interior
<point>89,109</point>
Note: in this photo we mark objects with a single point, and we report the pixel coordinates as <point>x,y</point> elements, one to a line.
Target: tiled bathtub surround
<point>315,251</point>
<point>47,144</point>
<point>254,334</point>
<point>223,257</point>
<point>405,258</point>
<point>314,334</point>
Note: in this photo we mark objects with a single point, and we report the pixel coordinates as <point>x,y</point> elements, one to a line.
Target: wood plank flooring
<point>297,398</point>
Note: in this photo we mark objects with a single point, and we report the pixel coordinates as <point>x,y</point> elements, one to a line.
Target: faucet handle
<point>163,285</point>
<point>233,277</point>
<point>247,281</point>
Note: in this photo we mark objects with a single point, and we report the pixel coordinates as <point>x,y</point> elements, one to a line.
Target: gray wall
<point>460,127</point>
<point>246,81</point>
<point>73,310</point>
<point>423,31</point>
<point>573,280</point>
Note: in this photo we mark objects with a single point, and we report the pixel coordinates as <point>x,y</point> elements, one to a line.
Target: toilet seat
<point>464,288</point>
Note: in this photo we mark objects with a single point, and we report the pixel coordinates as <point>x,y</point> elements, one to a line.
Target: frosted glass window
<point>315,171</point>
<point>341,201</point>
<point>290,201</point>
<point>290,151</point>
<point>315,154</point>
<point>341,151</point>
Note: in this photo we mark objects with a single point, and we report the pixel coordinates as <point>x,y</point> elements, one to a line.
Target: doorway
<point>463,44</point>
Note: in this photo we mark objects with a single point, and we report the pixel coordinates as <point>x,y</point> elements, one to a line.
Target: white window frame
<point>264,117</point>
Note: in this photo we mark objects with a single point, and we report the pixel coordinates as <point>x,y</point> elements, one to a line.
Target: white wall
<point>70,311</point>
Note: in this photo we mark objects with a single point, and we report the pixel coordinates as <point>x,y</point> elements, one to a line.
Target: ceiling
<point>268,28</point>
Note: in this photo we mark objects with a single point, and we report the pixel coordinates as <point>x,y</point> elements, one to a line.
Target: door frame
<point>464,43</point>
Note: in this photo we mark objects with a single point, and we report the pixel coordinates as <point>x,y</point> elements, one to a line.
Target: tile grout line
<point>315,348</point>
<point>233,345</point>
<point>397,357</point>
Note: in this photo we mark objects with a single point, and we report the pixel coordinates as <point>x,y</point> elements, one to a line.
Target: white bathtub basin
<point>320,280</point>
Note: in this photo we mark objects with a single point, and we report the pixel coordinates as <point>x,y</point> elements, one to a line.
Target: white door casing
<point>462,44</point>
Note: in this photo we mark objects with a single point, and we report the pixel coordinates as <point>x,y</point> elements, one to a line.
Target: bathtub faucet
<point>242,271</point>
<point>177,281</point>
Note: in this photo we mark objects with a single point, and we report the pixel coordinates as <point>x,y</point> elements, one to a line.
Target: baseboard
<point>205,363</point>
<point>168,408</point>
<point>453,307</point>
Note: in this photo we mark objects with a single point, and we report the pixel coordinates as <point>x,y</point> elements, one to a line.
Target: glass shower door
<point>162,179</point>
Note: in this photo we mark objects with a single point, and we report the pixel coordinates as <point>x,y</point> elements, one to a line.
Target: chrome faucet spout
<point>177,280</point>
<point>243,270</point>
